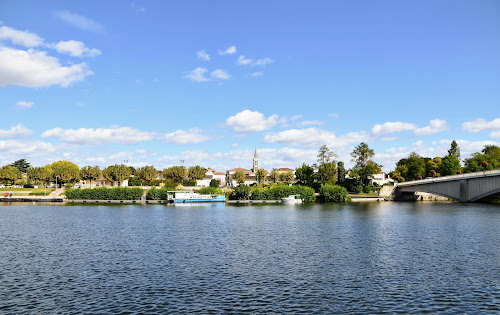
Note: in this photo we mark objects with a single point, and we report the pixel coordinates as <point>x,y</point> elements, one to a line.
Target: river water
<point>319,258</point>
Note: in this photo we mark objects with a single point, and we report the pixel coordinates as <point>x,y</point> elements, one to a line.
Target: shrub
<point>118,193</point>
<point>210,190</point>
<point>276,192</point>
<point>240,192</point>
<point>355,185</point>
<point>189,182</point>
<point>367,189</point>
<point>214,183</point>
<point>333,193</point>
<point>157,194</point>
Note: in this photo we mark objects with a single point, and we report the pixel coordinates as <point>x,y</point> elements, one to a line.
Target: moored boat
<point>292,199</point>
<point>189,196</point>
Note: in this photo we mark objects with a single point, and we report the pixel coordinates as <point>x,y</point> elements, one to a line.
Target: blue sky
<point>156,82</point>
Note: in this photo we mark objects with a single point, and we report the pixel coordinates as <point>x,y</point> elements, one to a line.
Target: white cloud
<point>435,126</point>
<point>481,125</point>
<point>243,61</point>
<point>203,55</point>
<point>249,121</point>
<point>79,21</point>
<point>23,38</point>
<point>197,75</point>
<point>229,51</point>
<point>234,145</point>
<point>263,62</point>
<point>24,104</point>
<point>390,127</point>
<point>15,132</point>
<point>123,135</point>
<point>307,137</point>
<point>334,115</point>
<point>295,117</point>
<point>13,149</point>
<point>311,123</point>
<point>76,49</point>
<point>257,74</point>
<point>184,137</point>
<point>495,134</point>
<point>220,74</point>
<point>315,137</point>
<point>33,68</point>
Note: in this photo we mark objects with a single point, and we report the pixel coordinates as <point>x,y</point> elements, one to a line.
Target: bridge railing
<point>449,178</point>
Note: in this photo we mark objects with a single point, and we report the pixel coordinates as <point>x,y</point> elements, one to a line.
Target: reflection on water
<point>363,257</point>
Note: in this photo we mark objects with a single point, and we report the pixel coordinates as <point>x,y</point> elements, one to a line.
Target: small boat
<point>292,200</point>
<point>189,196</point>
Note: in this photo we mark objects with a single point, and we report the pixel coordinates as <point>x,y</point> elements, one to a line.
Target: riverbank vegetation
<point>118,193</point>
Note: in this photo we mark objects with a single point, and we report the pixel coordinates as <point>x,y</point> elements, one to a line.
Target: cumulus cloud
<point>314,137</point>
<point>24,104</point>
<point>203,55</point>
<point>23,38</point>
<point>12,149</point>
<point>76,49</point>
<point>334,115</point>
<point>263,62</point>
<point>123,135</point>
<point>390,127</point>
<point>306,137</point>
<point>481,125</point>
<point>251,121</point>
<point>17,131</point>
<point>495,134</point>
<point>193,135</point>
<point>79,21</point>
<point>435,126</point>
<point>197,75</point>
<point>229,51</point>
<point>33,68</point>
<point>220,74</point>
<point>243,61</point>
<point>257,74</point>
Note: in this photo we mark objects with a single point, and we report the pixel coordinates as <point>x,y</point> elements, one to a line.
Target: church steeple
<point>255,161</point>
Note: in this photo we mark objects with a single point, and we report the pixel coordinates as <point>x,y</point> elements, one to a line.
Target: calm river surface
<point>320,258</point>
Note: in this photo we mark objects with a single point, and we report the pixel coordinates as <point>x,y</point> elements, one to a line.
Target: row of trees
<point>416,167</point>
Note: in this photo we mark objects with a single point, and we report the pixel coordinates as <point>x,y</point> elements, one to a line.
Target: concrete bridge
<point>471,187</point>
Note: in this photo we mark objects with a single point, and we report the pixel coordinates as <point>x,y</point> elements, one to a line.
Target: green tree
<point>410,168</point>
<point>305,175</point>
<point>39,175</point>
<point>454,151</point>
<point>340,173</point>
<point>260,176</point>
<point>116,173</point>
<point>65,171</point>
<point>240,192</point>
<point>433,165</point>
<point>90,173</point>
<point>21,165</point>
<point>287,177</point>
<point>361,155</point>
<point>10,174</point>
<point>327,166</point>
<point>365,167</point>
<point>239,177</point>
<point>490,154</point>
<point>175,173</point>
<point>146,174</point>
<point>197,172</point>
<point>274,176</point>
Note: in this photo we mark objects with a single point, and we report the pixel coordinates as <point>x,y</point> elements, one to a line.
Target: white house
<point>380,178</point>
<point>212,174</point>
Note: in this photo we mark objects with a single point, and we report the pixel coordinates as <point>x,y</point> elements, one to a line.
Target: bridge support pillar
<point>464,190</point>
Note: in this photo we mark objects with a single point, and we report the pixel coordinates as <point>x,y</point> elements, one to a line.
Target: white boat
<point>292,200</point>
<point>189,196</point>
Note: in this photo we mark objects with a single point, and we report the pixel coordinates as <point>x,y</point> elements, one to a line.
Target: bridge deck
<point>450,178</point>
